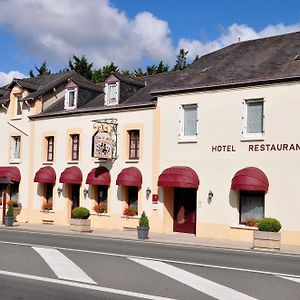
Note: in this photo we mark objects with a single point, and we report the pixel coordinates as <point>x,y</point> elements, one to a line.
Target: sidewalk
<point>175,238</point>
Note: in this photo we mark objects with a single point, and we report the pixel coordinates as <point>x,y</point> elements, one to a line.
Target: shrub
<point>80,213</point>
<point>10,211</point>
<point>130,211</point>
<point>269,224</point>
<point>144,221</point>
<point>100,208</point>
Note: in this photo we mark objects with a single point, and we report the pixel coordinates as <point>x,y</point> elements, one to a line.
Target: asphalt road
<point>122,269</point>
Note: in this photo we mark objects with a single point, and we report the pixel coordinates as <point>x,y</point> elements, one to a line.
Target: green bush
<point>80,213</point>
<point>144,221</point>
<point>10,210</point>
<point>269,224</point>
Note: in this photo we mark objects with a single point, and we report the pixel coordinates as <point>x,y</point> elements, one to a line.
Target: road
<point>54,266</point>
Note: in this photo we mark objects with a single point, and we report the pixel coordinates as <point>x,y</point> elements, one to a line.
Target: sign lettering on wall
<point>258,148</point>
<point>102,145</point>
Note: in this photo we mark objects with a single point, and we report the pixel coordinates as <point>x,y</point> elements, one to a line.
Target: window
<point>18,105</point>
<point>133,196</point>
<point>75,146</point>
<point>14,192</point>
<point>49,192</point>
<point>101,198</point>
<point>254,119</point>
<point>15,147</point>
<point>1,192</point>
<point>111,93</point>
<point>71,96</point>
<point>252,205</point>
<point>134,144</point>
<point>50,148</point>
<point>188,122</point>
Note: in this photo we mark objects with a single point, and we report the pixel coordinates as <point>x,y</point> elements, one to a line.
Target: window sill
<point>47,211</point>
<point>101,215</point>
<point>245,227</point>
<point>47,163</point>
<point>187,141</point>
<point>252,139</point>
<point>16,118</point>
<point>15,161</point>
<point>131,217</point>
<point>133,161</point>
<point>72,162</point>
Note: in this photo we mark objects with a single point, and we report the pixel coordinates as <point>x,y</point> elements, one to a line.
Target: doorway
<point>184,219</point>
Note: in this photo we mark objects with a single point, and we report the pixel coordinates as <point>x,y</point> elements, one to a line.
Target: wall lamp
<point>59,190</point>
<point>210,195</point>
<point>85,192</point>
<point>148,193</point>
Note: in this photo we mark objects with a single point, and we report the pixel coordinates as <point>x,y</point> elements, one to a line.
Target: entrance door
<point>185,210</point>
<point>75,195</point>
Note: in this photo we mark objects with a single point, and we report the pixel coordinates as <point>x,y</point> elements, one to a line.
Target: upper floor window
<point>18,105</point>
<point>134,144</point>
<point>254,119</point>
<point>71,96</point>
<point>189,122</point>
<point>111,93</point>
<point>50,148</point>
<point>75,146</point>
<point>15,147</point>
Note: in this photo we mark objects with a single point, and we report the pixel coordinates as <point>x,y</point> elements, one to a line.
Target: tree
<point>181,60</point>
<point>138,73</point>
<point>162,67</point>
<point>108,69</point>
<point>42,70</point>
<point>81,66</point>
<point>151,69</point>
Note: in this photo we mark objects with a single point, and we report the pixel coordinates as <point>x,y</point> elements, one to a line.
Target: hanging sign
<point>102,145</point>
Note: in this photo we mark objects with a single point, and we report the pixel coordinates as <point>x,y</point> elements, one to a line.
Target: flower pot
<point>8,221</point>
<point>80,225</point>
<point>266,240</point>
<point>143,233</point>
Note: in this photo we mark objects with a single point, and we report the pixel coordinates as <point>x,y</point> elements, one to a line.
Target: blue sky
<point>131,33</point>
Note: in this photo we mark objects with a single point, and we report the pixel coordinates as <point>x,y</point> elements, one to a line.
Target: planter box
<point>17,211</point>
<point>266,240</point>
<point>8,221</point>
<point>80,225</point>
<point>143,233</point>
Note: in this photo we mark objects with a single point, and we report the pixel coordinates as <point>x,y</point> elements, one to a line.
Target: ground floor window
<point>252,206</point>
<point>75,192</point>
<point>132,201</point>
<point>48,204</point>
<point>1,192</point>
<point>101,199</point>
<point>14,192</point>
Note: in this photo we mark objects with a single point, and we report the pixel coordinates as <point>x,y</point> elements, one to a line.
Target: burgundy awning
<point>45,175</point>
<point>98,176</point>
<point>250,179</point>
<point>71,175</point>
<point>184,177</point>
<point>12,173</point>
<point>130,177</point>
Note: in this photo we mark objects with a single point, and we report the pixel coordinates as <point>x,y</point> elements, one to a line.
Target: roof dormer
<point>112,90</point>
<point>71,95</point>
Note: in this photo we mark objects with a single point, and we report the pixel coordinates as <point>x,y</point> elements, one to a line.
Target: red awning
<point>71,175</point>
<point>98,176</point>
<point>250,179</point>
<point>130,177</point>
<point>184,177</point>
<point>12,173</point>
<point>45,175</point>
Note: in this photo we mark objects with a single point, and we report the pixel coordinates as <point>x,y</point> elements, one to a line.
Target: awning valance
<point>71,175</point>
<point>250,179</point>
<point>184,177</point>
<point>99,176</point>
<point>130,177</point>
<point>12,173</point>
<point>45,175</point>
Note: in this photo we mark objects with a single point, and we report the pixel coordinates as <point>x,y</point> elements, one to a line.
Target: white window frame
<point>182,137</point>
<point>14,157</point>
<point>67,98</point>
<point>108,99</point>
<point>258,135</point>
<point>18,102</point>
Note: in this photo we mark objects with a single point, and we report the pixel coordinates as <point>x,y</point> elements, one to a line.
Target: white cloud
<point>6,78</point>
<point>56,29</point>
<point>233,34</point>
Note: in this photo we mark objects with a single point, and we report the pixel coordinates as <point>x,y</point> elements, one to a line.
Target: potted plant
<point>143,228</point>
<point>16,208</point>
<point>267,236</point>
<point>9,218</point>
<point>130,211</point>
<point>80,220</point>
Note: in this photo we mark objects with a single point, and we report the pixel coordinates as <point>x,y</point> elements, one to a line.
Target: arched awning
<point>184,177</point>
<point>71,175</point>
<point>250,179</point>
<point>45,175</point>
<point>99,176</point>
<point>130,177</point>
<point>12,173</point>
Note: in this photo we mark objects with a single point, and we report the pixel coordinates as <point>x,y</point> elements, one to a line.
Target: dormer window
<point>71,96</point>
<point>112,93</point>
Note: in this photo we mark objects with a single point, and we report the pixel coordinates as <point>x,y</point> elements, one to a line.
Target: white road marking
<point>153,258</point>
<point>85,286</point>
<point>201,284</point>
<point>62,266</point>
<point>291,278</point>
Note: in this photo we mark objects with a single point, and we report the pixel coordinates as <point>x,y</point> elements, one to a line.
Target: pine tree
<point>81,66</point>
<point>181,60</point>
<point>42,70</point>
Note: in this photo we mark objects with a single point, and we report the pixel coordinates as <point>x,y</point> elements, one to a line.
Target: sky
<point>130,33</point>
